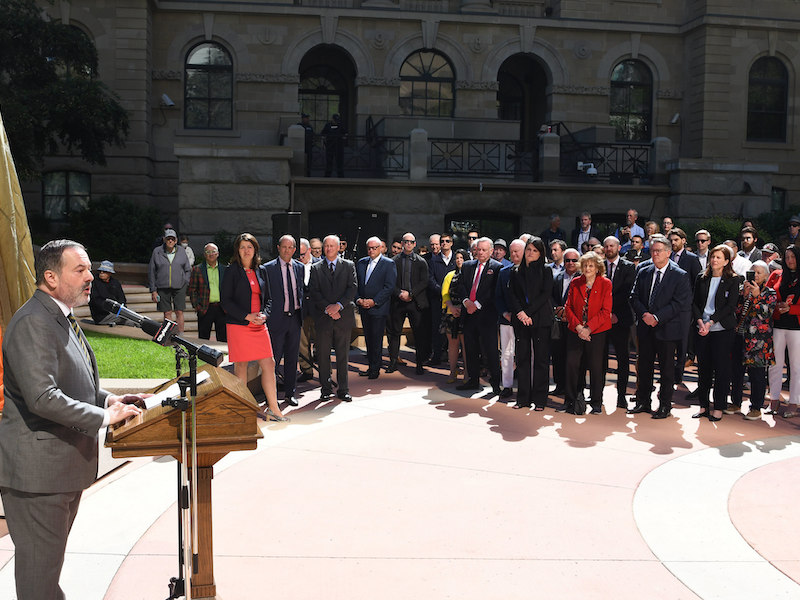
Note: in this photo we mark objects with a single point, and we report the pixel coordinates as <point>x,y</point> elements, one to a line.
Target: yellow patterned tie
<point>76,328</point>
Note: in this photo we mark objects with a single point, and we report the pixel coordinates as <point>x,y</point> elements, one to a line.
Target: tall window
<point>209,88</point>
<point>631,108</point>
<point>64,192</point>
<point>427,85</point>
<point>767,96</point>
<point>322,94</point>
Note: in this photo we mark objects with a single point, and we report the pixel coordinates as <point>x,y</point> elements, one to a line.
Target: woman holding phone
<point>786,332</point>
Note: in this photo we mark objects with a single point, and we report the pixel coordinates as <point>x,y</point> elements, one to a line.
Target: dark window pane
<point>55,183</point>
<point>428,79</point>
<point>220,114</point>
<point>196,114</point>
<point>79,184</point>
<point>767,98</point>
<point>220,85</point>
<point>55,207</point>
<point>631,101</point>
<point>208,89</point>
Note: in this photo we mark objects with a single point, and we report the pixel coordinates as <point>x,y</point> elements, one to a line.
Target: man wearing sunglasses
<point>702,242</point>
<point>790,238</point>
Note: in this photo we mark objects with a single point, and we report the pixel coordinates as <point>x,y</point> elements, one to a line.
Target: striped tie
<point>76,328</point>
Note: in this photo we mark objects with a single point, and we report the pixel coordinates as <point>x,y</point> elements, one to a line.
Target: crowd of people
<point>514,310</point>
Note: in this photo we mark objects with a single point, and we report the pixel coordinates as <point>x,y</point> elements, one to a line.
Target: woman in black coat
<point>716,294</point>
<point>531,286</point>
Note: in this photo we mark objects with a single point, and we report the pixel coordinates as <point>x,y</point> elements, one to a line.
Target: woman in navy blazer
<point>243,296</point>
<point>588,315</point>
<point>716,293</point>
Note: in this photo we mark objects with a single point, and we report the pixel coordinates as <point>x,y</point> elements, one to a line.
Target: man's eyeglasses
<point>447,241</point>
<point>372,247</point>
<point>699,241</point>
<point>571,259</point>
<point>794,225</point>
<point>209,252</point>
<point>652,251</point>
<point>472,237</point>
<point>409,241</point>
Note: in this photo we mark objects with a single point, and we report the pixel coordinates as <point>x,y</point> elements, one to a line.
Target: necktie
<point>370,267</point>
<point>611,271</point>
<point>672,256</point>
<point>473,293</point>
<point>330,266</point>
<point>287,285</point>
<point>655,289</point>
<point>407,273</point>
<point>76,328</point>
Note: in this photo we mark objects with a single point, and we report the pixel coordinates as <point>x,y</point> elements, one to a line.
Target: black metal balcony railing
<point>615,163</point>
<point>359,156</point>
<point>492,158</point>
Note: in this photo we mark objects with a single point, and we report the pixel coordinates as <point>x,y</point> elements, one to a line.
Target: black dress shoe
<point>392,366</point>
<point>291,400</point>
<point>346,397</point>
<point>639,408</point>
<point>704,413</point>
<point>325,396</point>
<point>374,374</point>
<point>364,373</point>
<point>468,385</point>
<point>420,370</point>
<point>660,414</point>
<point>304,377</point>
<point>506,393</point>
<point>622,403</point>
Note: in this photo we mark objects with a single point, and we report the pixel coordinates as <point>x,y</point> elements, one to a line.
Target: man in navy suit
<point>287,290</point>
<point>660,295</point>
<point>439,265</point>
<point>477,284</point>
<point>377,276</point>
<point>689,262</point>
<point>622,273</point>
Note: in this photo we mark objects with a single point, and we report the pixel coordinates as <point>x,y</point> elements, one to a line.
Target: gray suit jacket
<point>325,289</point>
<point>53,403</point>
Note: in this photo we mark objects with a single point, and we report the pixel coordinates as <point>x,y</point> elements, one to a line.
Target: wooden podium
<point>226,420</point>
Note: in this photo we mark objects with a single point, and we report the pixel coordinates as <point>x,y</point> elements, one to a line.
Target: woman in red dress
<point>243,298</point>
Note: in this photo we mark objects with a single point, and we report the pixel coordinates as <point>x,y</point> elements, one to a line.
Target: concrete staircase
<point>139,301</point>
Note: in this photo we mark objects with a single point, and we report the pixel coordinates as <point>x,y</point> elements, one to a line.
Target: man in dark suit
<point>54,408</point>
<point>585,232</point>
<point>410,299</point>
<point>477,284</point>
<point>558,348</point>
<point>377,277</point>
<point>439,265</point>
<point>689,262</point>
<point>286,290</point>
<point>204,286</point>
<point>660,295</point>
<point>333,290</point>
<point>622,273</point>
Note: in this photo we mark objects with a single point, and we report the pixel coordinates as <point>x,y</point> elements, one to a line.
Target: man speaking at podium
<point>54,408</point>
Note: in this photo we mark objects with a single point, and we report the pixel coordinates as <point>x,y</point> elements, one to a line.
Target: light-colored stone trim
<point>550,59</point>
<point>355,46</point>
<point>378,81</point>
<point>267,78</point>
<point>581,90</point>
<point>167,75</point>
<point>478,85</point>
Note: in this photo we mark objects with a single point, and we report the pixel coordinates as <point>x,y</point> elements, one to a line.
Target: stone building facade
<point>703,90</point>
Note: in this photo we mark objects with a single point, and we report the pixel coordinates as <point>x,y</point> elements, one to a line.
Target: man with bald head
<point>332,290</point>
<point>377,276</point>
<point>622,274</point>
<point>476,287</point>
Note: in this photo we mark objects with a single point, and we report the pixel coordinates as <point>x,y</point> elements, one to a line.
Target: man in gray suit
<point>332,289</point>
<point>54,408</point>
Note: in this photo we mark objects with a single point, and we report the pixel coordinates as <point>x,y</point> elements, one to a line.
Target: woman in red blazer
<point>588,314</point>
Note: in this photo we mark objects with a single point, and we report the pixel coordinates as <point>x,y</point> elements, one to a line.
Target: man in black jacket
<point>335,136</point>
<point>622,273</point>
<point>410,300</point>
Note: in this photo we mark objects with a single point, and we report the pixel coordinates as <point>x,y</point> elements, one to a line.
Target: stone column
<point>418,154</point>
<point>549,157</point>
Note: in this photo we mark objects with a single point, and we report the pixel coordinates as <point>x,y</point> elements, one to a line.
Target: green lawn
<point>120,357</point>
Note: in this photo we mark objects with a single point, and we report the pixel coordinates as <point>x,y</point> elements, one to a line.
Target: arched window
<point>208,88</point>
<point>767,101</point>
<point>631,108</point>
<point>427,85</point>
<point>322,93</point>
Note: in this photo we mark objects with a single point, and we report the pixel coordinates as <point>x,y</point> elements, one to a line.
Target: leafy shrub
<point>116,229</point>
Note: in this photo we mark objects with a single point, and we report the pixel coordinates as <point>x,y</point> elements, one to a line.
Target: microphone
<point>164,333</point>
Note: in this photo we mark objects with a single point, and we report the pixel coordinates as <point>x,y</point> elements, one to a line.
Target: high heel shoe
<point>705,413</point>
<point>453,378</point>
<point>276,417</point>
